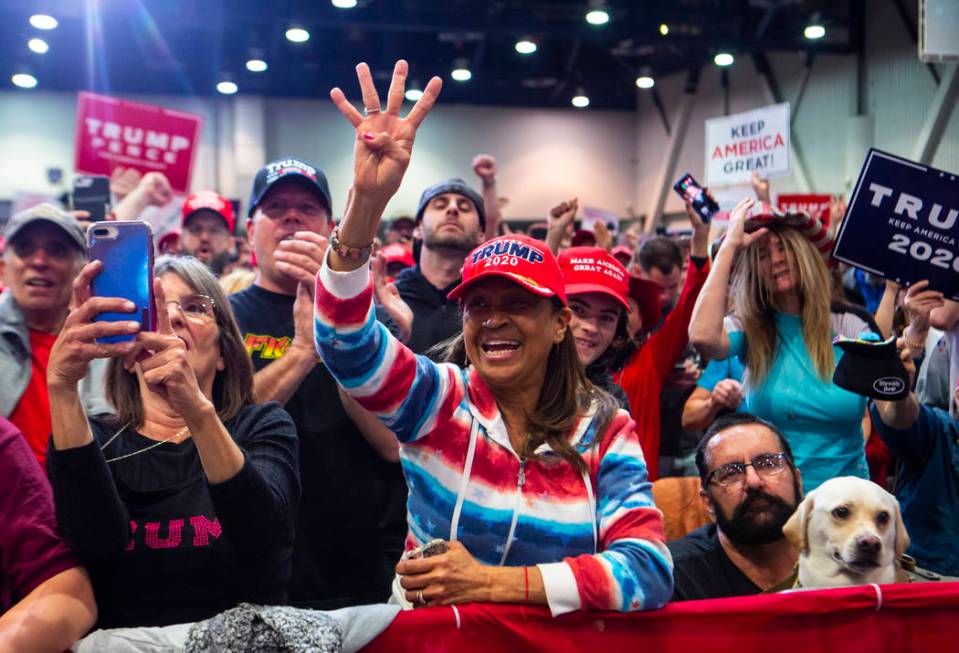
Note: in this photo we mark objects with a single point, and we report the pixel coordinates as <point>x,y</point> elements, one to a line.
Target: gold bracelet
<point>914,346</point>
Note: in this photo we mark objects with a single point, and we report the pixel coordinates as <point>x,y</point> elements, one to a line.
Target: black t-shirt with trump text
<point>352,524</point>
<point>162,544</point>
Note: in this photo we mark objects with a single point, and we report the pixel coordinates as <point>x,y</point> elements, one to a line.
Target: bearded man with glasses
<point>750,487</point>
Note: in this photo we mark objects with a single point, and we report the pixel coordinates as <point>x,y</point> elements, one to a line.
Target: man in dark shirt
<point>451,218</point>
<point>343,554</point>
<point>750,487</point>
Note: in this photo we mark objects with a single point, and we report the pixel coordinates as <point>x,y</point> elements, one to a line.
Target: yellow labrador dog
<point>849,532</point>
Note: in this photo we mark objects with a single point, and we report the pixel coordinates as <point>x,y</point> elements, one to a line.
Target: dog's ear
<point>795,528</point>
<point>902,537</point>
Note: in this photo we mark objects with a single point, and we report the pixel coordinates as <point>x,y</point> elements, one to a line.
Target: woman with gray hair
<point>181,505</point>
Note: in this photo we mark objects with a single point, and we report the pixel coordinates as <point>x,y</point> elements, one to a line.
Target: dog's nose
<point>868,545</point>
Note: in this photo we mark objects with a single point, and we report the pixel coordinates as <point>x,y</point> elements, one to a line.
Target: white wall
<point>544,156</point>
<point>899,91</point>
<point>608,159</point>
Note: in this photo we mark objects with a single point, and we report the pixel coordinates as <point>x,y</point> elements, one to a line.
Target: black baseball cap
<point>289,169</point>
<point>457,186</point>
<point>872,368</point>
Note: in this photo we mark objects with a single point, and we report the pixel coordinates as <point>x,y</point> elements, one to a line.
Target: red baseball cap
<point>397,253</point>
<point>592,269</point>
<point>210,201</point>
<point>624,252</point>
<point>521,259</point>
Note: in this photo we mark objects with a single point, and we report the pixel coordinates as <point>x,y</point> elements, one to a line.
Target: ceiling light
<point>227,88</point>
<point>664,29</point>
<point>580,101</point>
<point>414,92</point>
<point>526,46</point>
<point>24,80</point>
<point>645,81</point>
<point>597,17</point>
<point>297,35</point>
<point>256,65</point>
<point>814,31</point>
<point>43,21</point>
<point>461,71</point>
<point>724,59</point>
<point>343,4</point>
<point>38,45</point>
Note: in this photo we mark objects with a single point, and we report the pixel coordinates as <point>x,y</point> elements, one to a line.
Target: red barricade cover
<point>905,619</point>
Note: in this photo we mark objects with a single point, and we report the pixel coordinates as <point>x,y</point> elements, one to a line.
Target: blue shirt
<point>928,488</point>
<point>718,370</point>
<point>821,421</point>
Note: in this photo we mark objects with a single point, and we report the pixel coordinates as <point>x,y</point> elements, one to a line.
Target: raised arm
<point>706,330</point>
<point>89,510</point>
<point>405,391</point>
<point>384,143</point>
<point>559,219</point>
<point>887,308</point>
<point>903,414</point>
<point>484,165</point>
<point>152,190</point>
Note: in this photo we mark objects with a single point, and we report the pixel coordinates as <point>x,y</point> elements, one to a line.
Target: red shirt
<point>31,551</point>
<point>32,414</point>
<point>645,373</point>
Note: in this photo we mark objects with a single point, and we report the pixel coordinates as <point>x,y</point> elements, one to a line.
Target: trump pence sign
<point>755,141</point>
<point>111,132</point>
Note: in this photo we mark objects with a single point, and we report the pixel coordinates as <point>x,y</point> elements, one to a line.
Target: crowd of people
<point>322,400</point>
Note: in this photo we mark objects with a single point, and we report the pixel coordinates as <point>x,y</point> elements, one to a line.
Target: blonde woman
<point>781,328</point>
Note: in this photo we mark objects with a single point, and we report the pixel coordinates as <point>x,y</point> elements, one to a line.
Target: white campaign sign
<point>737,145</point>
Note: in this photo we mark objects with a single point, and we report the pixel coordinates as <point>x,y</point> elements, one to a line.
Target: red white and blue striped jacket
<point>597,538</point>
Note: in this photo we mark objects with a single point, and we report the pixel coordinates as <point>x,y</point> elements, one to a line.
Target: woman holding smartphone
<point>535,476</point>
<point>181,505</point>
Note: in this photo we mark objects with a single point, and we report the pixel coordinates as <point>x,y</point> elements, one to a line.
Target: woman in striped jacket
<point>533,475</point>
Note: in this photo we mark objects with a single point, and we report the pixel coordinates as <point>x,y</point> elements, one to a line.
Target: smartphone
<point>91,193</point>
<point>126,250</point>
<point>689,188</point>
<point>428,550</point>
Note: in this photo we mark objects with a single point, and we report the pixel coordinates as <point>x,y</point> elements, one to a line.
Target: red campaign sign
<point>112,132</point>
<point>807,203</point>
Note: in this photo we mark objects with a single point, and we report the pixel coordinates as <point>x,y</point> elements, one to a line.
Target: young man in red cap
<point>208,225</point>
<point>602,296</point>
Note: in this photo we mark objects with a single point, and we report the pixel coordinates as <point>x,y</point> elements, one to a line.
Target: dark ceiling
<point>184,47</point>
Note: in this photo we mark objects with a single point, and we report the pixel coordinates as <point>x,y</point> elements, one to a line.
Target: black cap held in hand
<point>871,368</point>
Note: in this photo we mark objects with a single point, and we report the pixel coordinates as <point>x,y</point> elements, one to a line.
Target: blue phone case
<point>126,250</point>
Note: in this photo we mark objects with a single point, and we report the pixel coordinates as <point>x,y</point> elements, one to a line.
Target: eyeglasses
<point>277,208</point>
<point>733,474</point>
<point>26,247</point>
<point>198,308</point>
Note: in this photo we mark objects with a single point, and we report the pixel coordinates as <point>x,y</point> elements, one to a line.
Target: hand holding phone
<point>689,189</point>
<point>126,252</point>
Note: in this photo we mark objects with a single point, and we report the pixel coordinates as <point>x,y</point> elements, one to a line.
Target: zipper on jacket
<point>519,498</point>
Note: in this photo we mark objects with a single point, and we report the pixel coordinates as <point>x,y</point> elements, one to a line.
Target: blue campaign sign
<point>902,223</point>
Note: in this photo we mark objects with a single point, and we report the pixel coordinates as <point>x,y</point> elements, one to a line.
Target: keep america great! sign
<point>902,223</point>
